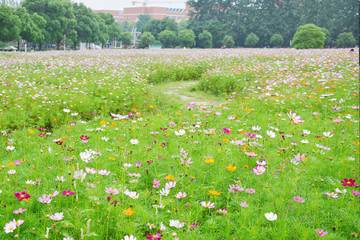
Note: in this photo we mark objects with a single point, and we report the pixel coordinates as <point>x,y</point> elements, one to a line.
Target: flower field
<point>90,149</point>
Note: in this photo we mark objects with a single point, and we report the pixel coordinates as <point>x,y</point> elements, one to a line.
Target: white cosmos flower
<point>10,148</point>
<point>328,134</point>
<point>131,237</point>
<point>306,131</point>
<point>340,191</point>
<point>134,141</point>
<point>176,223</point>
<point>66,110</point>
<point>180,133</point>
<point>12,171</point>
<point>164,191</point>
<point>271,216</point>
<point>271,134</point>
<point>304,141</point>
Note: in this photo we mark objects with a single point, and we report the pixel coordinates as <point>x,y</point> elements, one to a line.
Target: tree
<point>345,40</point>
<point>276,40</point>
<point>29,30</point>
<point>40,22</point>
<point>217,30</point>
<point>154,26</point>
<point>308,36</point>
<point>251,40</point>
<point>205,40</point>
<point>114,31</point>
<point>10,26</point>
<point>167,38</point>
<point>327,37</point>
<point>228,41</point>
<point>146,39</point>
<point>141,21</point>
<point>169,24</point>
<point>186,38</point>
<point>125,37</point>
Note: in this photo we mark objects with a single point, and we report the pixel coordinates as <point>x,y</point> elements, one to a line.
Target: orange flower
<point>102,122</point>
<point>246,166</point>
<point>31,132</point>
<point>213,192</point>
<point>209,160</point>
<point>128,212</point>
<point>134,109</point>
<point>113,124</point>
<point>231,168</point>
<point>169,177</point>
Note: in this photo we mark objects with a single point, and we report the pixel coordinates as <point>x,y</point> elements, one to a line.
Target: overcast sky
<point>120,4</point>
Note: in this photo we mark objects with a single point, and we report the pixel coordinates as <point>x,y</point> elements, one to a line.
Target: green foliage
<point>345,40</point>
<point>228,41</point>
<point>146,39</point>
<point>186,38</point>
<point>126,37</point>
<point>205,40</point>
<point>141,21</point>
<point>308,36</point>
<point>10,24</point>
<point>217,30</point>
<point>276,40</point>
<point>327,37</point>
<point>167,38</point>
<point>153,26</point>
<point>251,40</point>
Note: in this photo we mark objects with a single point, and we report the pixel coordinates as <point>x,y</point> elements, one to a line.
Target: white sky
<point>120,4</point>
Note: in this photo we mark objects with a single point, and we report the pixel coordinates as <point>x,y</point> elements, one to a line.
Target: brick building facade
<point>132,13</point>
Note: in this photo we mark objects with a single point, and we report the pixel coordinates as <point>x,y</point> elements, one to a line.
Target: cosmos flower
<point>170,185</point>
<point>207,204</point>
<point>348,182</point>
<point>10,226</point>
<point>103,172</point>
<point>20,210</point>
<point>57,216</point>
<point>157,236</point>
<point>180,133</point>
<point>164,191</point>
<point>156,183</point>
<point>271,216</point>
<point>321,232</point>
<point>176,223</point>
<point>67,192</point>
<point>112,191</point>
<point>332,195</point>
<point>181,195</point>
<point>259,170</point>
<point>271,134</point>
<point>45,199</point>
<point>131,237</point>
<point>243,204</point>
<point>22,195</point>
<point>299,199</point>
<point>134,141</point>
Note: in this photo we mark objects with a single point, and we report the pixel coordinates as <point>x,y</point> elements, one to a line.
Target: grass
<point>253,87</point>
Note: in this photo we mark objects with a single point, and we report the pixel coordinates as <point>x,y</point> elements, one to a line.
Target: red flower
<point>348,182</point>
<point>23,195</point>
<point>154,237</point>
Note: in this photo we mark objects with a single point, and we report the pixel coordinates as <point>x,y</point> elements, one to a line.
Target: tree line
<point>213,24</point>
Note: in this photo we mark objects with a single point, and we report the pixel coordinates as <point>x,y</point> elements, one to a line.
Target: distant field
<point>92,135</point>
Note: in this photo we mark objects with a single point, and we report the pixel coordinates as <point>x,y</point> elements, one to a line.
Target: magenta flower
<point>228,131</point>
<point>252,135</point>
<point>84,137</point>
<point>72,124</point>
<point>156,183</point>
<point>259,170</point>
<point>138,164</point>
<point>299,199</point>
<point>22,195</point>
<point>157,236</point>
<point>243,204</point>
<point>17,162</point>
<point>67,193</point>
<point>194,225</point>
<point>356,193</point>
<point>250,190</point>
<point>348,182</point>
<point>321,232</point>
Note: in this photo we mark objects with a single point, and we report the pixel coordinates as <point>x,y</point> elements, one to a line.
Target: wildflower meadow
<point>92,145</point>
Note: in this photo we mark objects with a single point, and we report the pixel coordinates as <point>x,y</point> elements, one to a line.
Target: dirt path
<point>183,91</point>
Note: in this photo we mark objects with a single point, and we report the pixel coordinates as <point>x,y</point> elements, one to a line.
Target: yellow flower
<point>209,160</point>
<point>31,132</point>
<point>231,168</point>
<point>128,212</point>
<point>11,164</point>
<point>113,124</point>
<point>213,192</point>
<point>225,140</point>
<point>169,177</point>
<point>102,122</point>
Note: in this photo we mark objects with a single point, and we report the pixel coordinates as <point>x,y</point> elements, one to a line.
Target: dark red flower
<point>22,195</point>
<point>348,182</point>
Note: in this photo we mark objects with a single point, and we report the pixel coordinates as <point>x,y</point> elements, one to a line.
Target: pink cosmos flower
<point>103,172</point>
<point>21,210</point>
<point>259,170</point>
<point>228,131</point>
<point>45,199</point>
<point>294,118</point>
<point>299,199</point>
<point>333,195</point>
<point>356,193</point>
<point>170,185</point>
<point>156,183</point>
<point>207,204</point>
<point>244,204</point>
<point>67,192</point>
<point>112,191</point>
<point>221,211</point>
<point>186,162</point>
<point>90,170</point>
<point>233,188</point>
<point>250,190</point>
<point>56,216</point>
<point>54,194</point>
<point>181,195</point>
<point>321,232</point>
<point>251,154</point>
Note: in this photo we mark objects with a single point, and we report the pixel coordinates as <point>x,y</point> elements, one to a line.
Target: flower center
<point>11,228</point>
<point>259,171</point>
<point>348,182</point>
<point>320,233</point>
<point>67,193</point>
<point>22,196</point>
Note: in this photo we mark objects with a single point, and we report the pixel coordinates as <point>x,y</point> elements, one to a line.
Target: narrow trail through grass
<point>183,92</point>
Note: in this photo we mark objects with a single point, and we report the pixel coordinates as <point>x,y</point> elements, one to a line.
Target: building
<point>132,13</point>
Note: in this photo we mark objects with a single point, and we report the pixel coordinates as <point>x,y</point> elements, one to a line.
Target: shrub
<point>251,40</point>
<point>186,38</point>
<point>345,40</point>
<point>146,39</point>
<point>167,38</point>
<point>308,36</point>
<point>276,40</point>
<point>205,39</point>
<point>228,41</point>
